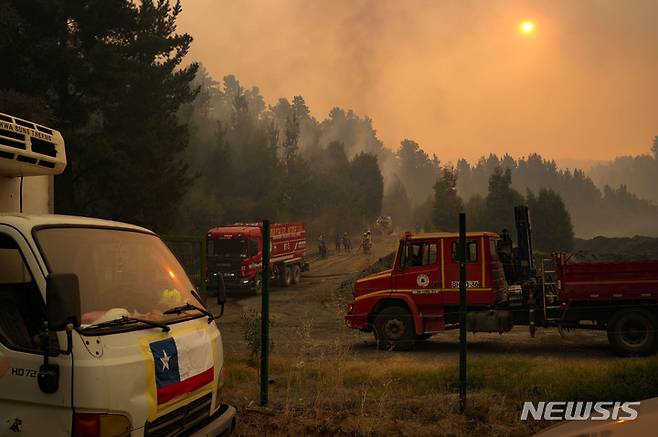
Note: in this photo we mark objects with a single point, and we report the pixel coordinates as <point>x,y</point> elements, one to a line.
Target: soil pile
<point>616,249</point>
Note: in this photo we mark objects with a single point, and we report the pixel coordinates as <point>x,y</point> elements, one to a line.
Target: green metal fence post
<point>462,313</point>
<point>265,316</point>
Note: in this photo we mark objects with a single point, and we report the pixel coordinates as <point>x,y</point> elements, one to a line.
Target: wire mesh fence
<point>191,253</point>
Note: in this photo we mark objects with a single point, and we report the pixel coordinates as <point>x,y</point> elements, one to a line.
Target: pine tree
<point>447,204</point>
<point>551,223</point>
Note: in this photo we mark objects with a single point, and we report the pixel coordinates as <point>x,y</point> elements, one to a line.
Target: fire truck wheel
<point>296,274</point>
<point>394,329</point>
<point>286,276</point>
<point>632,332</point>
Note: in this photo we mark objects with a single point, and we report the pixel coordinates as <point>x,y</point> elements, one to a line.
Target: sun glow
<point>527,27</point>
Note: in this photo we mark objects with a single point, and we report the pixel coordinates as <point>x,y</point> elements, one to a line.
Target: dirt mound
<point>382,263</point>
<point>616,249</point>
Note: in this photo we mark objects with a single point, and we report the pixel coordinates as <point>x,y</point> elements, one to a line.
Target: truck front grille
<point>180,421</point>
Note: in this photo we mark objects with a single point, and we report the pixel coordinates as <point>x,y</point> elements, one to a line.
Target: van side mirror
<point>62,301</point>
<point>221,290</point>
<point>62,312</point>
<point>218,288</point>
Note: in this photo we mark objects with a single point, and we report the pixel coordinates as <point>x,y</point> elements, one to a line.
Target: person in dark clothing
<point>347,244</point>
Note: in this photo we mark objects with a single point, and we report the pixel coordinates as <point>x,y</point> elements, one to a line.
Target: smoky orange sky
<point>456,76</point>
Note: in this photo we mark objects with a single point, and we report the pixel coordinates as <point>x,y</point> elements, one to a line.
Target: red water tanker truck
<point>506,286</point>
<point>235,252</point>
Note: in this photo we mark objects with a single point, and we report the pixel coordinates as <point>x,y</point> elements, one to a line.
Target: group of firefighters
<point>345,243</point>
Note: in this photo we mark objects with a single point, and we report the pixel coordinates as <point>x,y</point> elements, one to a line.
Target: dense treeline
<point>608,211</point>
<point>638,173</point>
<point>111,76</point>
<point>155,140</point>
<point>551,222</point>
<point>278,162</point>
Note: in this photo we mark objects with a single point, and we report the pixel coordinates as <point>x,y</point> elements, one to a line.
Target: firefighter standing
<point>347,244</point>
<point>322,247</point>
<point>366,242</point>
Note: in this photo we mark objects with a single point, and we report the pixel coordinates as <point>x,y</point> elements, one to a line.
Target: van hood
<point>146,374</point>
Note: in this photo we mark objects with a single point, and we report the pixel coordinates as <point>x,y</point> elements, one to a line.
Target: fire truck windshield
<point>228,248</point>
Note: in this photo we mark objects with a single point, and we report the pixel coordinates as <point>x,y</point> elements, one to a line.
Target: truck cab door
<point>418,270</point>
<point>24,408</point>
<point>475,271</point>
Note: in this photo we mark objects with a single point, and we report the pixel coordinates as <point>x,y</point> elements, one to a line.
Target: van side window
<point>21,307</point>
<point>420,254</point>
<point>471,251</point>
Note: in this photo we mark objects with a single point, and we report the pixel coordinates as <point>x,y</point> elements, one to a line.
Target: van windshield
<point>121,273</point>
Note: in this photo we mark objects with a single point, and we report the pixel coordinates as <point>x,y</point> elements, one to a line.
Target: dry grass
<point>338,395</point>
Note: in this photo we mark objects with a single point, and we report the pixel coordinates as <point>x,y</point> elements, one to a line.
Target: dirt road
<point>311,313</point>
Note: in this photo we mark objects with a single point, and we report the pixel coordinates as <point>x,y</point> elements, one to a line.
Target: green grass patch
<point>355,397</point>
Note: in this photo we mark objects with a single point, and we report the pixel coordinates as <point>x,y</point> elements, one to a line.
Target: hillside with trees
<point>155,140</point>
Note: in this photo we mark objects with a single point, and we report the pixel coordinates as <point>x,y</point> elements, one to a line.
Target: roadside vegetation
<point>334,393</point>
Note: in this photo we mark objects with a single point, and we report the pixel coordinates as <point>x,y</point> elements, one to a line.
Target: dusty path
<point>310,313</point>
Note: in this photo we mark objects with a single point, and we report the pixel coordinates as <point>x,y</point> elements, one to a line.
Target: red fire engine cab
<point>419,295</point>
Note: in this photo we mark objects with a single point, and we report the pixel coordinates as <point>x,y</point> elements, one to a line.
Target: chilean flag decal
<point>182,364</point>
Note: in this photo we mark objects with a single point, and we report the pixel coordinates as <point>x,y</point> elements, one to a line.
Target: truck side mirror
<point>62,301</point>
<point>403,258</point>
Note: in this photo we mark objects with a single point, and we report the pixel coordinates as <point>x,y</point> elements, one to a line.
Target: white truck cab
<point>101,331</point>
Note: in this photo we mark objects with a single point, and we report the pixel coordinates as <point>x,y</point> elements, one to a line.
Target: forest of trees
<point>154,139</point>
<point>638,173</point>
<point>610,210</point>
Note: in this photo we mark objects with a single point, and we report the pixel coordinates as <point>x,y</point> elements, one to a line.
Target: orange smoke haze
<point>457,76</point>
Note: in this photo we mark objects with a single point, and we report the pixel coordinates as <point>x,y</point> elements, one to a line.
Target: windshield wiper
<point>126,320</point>
<point>189,307</point>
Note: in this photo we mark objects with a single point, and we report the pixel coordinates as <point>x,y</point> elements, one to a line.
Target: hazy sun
<point>527,27</point>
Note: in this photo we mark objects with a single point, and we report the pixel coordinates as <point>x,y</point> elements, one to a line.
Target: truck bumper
<point>222,423</point>
<point>240,284</point>
<point>357,321</point>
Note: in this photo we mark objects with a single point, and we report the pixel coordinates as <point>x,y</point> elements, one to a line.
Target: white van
<point>101,331</point>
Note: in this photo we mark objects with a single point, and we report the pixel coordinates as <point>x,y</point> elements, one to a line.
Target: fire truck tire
<point>632,332</point>
<point>394,329</point>
<point>296,274</point>
<point>286,276</point>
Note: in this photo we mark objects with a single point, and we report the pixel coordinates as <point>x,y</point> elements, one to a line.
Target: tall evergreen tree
<point>501,200</point>
<point>447,204</point>
<point>367,185</point>
<point>112,73</point>
<point>551,223</point>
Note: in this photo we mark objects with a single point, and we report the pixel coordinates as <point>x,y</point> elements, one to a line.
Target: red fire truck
<point>419,295</point>
<point>236,253</point>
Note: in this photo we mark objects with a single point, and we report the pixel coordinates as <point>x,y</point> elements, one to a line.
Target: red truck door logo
<point>423,280</point>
